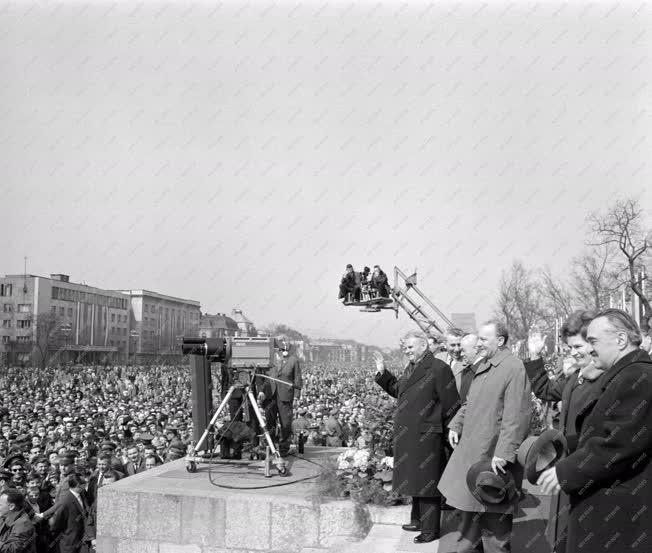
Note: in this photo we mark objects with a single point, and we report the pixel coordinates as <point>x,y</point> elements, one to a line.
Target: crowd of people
<point>100,424</point>
<point>67,431</point>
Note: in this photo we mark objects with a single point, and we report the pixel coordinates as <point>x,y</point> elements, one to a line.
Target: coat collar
<point>485,364</point>
<point>636,356</point>
<point>419,370</point>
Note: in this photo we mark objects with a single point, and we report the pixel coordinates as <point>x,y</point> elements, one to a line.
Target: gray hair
<point>623,322</point>
<point>470,336</point>
<point>417,335</point>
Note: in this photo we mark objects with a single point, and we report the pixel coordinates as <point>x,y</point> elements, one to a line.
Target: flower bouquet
<point>363,475</point>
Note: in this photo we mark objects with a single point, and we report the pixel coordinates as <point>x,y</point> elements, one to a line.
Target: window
<point>5,339</point>
<point>22,339</point>
<point>24,324</point>
<point>113,317</point>
<point>6,323</point>
<point>112,331</point>
<point>70,312</point>
<point>147,309</point>
<point>7,308</point>
<point>54,309</point>
<point>111,342</point>
<point>5,290</point>
<point>24,307</point>
<point>62,311</point>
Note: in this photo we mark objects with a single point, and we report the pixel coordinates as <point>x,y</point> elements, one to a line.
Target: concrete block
<point>160,517</point>
<point>342,519</point>
<point>203,521</point>
<point>294,527</point>
<point>117,514</point>
<point>398,515</point>
<point>248,524</point>
<point>176,548</point>
<point>106,545</point>
<point>137,546</point>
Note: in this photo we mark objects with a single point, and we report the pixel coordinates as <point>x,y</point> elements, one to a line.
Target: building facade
<point>158,324</point>
<point>336,351</point>
<point>219,325</point>
<point>54,320</point>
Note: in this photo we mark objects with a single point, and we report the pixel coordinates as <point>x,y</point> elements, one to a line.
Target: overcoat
<point>287,369</point>
<point>609,476</point>
<point>558,390</point>
<point>493,421</point>
<point>427,401</point>
<point>68,524</point>
<point>17,533</point>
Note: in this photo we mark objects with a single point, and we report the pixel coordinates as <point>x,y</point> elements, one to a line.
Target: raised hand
<point>536,344</point>
<point>380,361</point>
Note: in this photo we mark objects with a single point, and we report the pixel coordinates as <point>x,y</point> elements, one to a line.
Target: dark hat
<point>16,459</point>
<point>488,487</point>
<point>539,453</point>
<point>349,266</point>
<point>33,476</point>
<point>171,430</point>
<point>177,446</point>
<point>66,459</point>
<point>40,459</point>
<point>146,439</point>
<point>107,445</point>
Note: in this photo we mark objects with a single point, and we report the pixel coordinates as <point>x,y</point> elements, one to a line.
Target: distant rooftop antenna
<point>25,275</point>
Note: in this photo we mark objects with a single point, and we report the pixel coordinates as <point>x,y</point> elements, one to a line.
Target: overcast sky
<point>241,154</point>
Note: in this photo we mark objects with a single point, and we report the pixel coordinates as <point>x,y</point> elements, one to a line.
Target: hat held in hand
<point>488,487</point>
<point>538,453</point>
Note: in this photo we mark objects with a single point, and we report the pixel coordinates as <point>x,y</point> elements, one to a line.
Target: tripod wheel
<point>191,466</point>
<point>283,471</point>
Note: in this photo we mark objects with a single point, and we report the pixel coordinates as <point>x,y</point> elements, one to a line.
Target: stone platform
<point>168,510</point>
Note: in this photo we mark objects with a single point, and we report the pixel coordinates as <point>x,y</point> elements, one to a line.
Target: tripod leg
<point>203,437</point>
<point>259,416</point>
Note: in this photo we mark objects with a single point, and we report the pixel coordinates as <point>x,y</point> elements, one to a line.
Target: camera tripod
<point>192,458</point>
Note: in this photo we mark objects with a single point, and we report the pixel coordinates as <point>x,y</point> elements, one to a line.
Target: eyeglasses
<point>17,470</point>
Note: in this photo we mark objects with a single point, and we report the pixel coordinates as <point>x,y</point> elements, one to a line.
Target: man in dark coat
<point>69,521</point>
<point>350,285</point>
<point>427,401</point>
<point>17,534</point>
<point>608,477</point>
<point>280,396</point>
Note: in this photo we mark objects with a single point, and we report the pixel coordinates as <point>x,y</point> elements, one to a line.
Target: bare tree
<point>46,336</point>
<point>593,278</point>
<point>519,300</point>
<point>556,297</point>
<point>622,227</point>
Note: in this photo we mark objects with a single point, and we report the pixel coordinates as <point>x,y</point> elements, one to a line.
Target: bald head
<point>469,347</point>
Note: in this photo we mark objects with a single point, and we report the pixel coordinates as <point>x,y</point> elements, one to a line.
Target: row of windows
<point>62,313</point>
<point>118,330</point>
<point>19,339</point>
<point>5,290</point>
<point>6,323</point>
<point>121,318</point>
<point>166,311</point>
<point>68,294</point>
<point>22,308</point>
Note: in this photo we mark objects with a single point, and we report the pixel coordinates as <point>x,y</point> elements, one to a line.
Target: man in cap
<point>350,285</point>
<point>300,429</point>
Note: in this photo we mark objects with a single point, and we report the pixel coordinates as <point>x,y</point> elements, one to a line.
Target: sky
<point>242,153</point>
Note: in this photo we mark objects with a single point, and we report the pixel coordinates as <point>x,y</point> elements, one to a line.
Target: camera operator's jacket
<point>427,401</point>
<point>289,370</point>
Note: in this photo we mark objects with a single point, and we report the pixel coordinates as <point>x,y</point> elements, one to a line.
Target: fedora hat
<point>538,453</point>
<point>490,488</point>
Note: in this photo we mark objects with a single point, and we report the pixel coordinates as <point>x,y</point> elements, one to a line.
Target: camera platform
<point>226,507</point>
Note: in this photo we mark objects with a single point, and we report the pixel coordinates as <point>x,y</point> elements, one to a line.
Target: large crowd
<point>105,423</point>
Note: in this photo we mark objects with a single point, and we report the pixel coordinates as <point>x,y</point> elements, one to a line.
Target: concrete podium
<point>168,510</point>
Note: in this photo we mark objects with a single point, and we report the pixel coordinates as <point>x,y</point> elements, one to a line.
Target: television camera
<point>247,358</point>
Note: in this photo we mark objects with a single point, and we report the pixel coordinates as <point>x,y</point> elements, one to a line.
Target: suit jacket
<point>456,366</point>
<point>289,370</point>
<point>17,534</point>
<point>608,476</point>
<point>427,401</point>
<point>69,523</point>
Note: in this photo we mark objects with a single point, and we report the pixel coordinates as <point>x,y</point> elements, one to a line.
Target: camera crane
<point>405,295</point>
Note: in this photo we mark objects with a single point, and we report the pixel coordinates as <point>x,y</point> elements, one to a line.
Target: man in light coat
<point>491,424</point>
